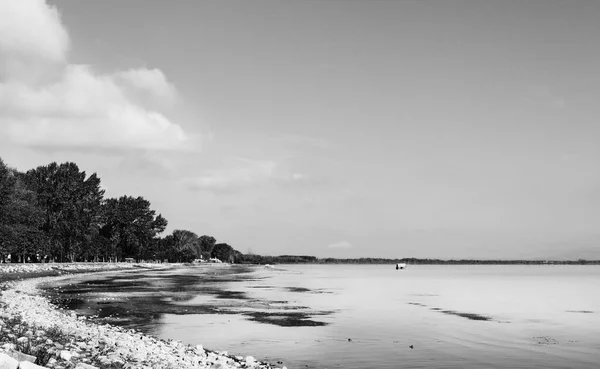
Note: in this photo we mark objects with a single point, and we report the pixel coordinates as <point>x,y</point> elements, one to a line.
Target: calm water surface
<point>368,316</point>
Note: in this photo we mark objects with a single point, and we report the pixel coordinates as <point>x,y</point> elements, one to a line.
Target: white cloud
<point>340,245</point>
<point>152,82</point>
<point>30,31</point>
<point>45,101</point>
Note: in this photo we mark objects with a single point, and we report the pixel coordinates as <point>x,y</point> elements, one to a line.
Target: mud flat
<point>33,331</point>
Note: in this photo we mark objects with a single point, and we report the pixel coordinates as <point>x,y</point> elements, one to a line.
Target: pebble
<point>85,366</point>
<point>65,355</point>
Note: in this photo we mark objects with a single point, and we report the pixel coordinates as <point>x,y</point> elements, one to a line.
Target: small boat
<point>401,266</point>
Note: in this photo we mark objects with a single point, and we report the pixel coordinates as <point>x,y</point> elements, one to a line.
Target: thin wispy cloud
<point>45,101</point>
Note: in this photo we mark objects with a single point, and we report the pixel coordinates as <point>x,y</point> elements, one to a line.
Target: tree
<point>7,187</point>
<point>207,243</point>
<point>20,218</point>
<point>131,226</point>
<point>24,220</point>
<point>70,203</point>
<point>224,252</point>
<point>187,240</point>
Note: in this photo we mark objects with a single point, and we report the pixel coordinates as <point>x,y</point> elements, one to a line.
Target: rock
<point>7,362</point>
<point>116,359</point>
<point>29,365</point>
<point>103,360</point>
<point>19,356</point>
<point>65,355</point>
<point>85,366</point>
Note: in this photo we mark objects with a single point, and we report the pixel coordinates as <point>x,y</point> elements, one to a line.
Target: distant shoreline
<point>293,259</point>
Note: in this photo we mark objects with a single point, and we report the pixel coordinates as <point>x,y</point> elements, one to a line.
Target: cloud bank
<point>45,101</point>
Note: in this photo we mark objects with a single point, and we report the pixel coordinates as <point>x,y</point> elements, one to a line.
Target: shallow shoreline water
<point>368,315</point>
<point>101,345</point>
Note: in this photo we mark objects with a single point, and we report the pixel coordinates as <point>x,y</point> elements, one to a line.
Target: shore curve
<point>60,339</point>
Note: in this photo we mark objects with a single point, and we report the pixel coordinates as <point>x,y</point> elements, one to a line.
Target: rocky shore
<point>34,333</point>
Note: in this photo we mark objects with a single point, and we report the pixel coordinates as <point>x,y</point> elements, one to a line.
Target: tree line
<point>56,212</point>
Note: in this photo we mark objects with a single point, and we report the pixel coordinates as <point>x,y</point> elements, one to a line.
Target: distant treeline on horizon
<point>304,259</point>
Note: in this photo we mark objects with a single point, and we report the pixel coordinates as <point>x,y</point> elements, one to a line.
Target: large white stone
<point>29,365</point>
<point>7,362</point>
<point>19,356</point>
<point>65,355</point>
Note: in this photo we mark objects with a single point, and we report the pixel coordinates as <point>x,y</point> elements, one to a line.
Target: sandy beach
<point>33,330</point>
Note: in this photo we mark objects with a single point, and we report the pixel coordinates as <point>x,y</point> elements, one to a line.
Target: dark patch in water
<point>73,303</point>
<point>183,297</point>
<point>298,289</point>
<point>138,300</point>
<point>285,319</point>
<point>580,311</point>
<point>303,289</point>
<point>545,340</point>
<point>231,295</point>
<point>470,316</point>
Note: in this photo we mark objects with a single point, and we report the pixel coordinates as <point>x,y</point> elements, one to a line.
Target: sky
<point>408,128</point>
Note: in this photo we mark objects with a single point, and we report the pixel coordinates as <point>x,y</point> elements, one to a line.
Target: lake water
<point>362,316</point>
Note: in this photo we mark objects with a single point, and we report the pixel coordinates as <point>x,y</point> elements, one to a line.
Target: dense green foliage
<point>58,213</point>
